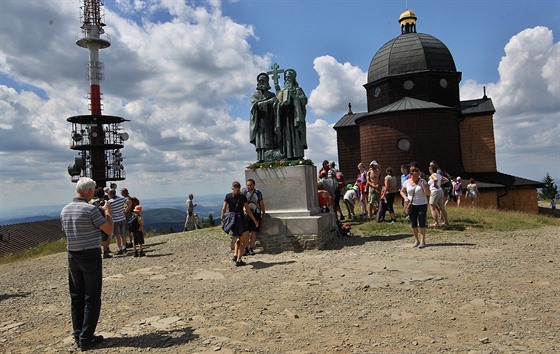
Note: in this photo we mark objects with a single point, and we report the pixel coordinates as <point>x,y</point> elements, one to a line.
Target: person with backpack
<point>236,202</point>
<point>136,228</point>
<point>130,204</point>
<point>256,204</point>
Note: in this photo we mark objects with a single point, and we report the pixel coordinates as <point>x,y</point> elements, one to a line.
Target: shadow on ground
<point>148,245</point>
<point>19,294</point>
<point>262,265</point>
<point>156,339</point>
<point>341,242</point>
<point>451,244</point>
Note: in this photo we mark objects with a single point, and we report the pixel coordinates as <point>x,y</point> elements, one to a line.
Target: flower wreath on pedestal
<point>281,163</point>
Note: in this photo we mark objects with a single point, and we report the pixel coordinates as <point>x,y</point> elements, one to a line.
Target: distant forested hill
<point>165,220</point>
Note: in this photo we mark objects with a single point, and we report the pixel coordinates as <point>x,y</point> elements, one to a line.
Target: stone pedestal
<point>294,221</point>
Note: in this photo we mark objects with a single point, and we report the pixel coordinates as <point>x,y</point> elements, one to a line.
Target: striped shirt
<point>117,208</point>
<point>81,222</point>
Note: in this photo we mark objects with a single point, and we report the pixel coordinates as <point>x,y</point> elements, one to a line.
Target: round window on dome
<point>403,145</point>
<point>377,91</point>
<point>408,85</point>
<point>443,83</point>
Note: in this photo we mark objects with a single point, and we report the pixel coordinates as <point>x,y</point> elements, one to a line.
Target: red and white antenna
<point>97,137</point>
<point>94,39</point>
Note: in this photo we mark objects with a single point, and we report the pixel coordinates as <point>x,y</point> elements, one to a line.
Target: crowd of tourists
<point>128,230</point>
<point>375,193</point>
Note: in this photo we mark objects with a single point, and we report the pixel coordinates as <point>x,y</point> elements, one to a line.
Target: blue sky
<point>183,72</point>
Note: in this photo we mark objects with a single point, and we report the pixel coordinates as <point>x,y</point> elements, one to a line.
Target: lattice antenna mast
<point>97,138</point>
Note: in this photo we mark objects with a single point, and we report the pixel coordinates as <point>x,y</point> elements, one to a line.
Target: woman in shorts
<point>417,191</point>
<point>437,203</point>
<point>236,202</point>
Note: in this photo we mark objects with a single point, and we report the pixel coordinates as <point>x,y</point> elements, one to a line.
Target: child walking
<point>136,226</point>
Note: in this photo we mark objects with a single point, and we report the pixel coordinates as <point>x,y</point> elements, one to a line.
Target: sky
<point>182,72</point>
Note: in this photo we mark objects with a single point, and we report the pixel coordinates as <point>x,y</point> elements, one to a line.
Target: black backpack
<point>134,223</point>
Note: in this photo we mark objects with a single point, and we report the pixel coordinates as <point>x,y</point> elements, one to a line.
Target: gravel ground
<point>470,292</point>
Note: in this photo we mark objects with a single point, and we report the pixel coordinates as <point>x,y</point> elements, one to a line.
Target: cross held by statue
<point>275,71</point>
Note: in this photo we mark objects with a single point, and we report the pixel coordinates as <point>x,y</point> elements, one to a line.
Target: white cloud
<point>321,140</point>
<point>339,84</point>
<point>527,102</point>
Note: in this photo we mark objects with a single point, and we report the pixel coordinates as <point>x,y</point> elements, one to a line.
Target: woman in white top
<point>417,191</point>
<point>437,202</point>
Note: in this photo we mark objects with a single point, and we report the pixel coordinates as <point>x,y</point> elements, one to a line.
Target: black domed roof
<point>409,53</point>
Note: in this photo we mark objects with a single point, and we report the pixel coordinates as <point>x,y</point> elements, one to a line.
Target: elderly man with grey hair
<point>82,223</point>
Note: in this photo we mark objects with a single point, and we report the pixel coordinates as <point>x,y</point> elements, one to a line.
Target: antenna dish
<point>77,136</point>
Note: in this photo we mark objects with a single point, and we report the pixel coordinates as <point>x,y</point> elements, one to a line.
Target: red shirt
<point>324,198</point>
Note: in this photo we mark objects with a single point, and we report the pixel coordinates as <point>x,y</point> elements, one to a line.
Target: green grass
<point>460,219</point>
<point>45,249</point>
<point>41,250</point>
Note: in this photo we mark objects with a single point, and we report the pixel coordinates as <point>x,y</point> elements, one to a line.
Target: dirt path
<point>475,293</point>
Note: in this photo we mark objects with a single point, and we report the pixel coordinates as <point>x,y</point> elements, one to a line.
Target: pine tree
<point>550,189</point>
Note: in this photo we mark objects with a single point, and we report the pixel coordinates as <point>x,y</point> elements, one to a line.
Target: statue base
<point>294,221</point>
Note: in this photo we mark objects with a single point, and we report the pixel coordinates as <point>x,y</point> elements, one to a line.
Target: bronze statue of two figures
<point>277,125</point>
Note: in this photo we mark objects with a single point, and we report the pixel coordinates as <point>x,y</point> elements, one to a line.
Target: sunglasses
<point>414,170</point>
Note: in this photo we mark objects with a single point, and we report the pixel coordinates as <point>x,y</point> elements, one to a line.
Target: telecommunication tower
<point>98,138</point>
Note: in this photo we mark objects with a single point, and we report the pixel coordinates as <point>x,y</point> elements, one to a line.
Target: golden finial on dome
<point>408,21</point>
